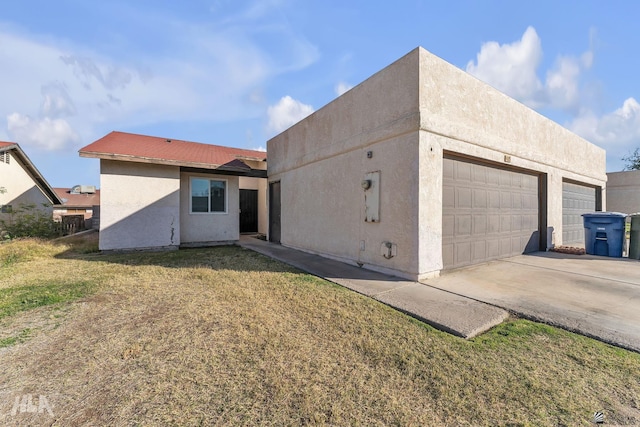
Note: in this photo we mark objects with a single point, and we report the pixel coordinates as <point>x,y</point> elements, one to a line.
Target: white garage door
<point>576,200</point>
<point>487,213</point>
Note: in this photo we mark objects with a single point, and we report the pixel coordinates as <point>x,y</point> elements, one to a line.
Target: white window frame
<point>226,196</point>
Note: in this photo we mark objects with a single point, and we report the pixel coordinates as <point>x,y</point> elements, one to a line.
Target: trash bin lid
<point>604,214</point>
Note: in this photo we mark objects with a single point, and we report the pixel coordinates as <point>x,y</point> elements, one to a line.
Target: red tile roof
<point>150,149</point>
<point>7,144</point>
<point>77,200</point>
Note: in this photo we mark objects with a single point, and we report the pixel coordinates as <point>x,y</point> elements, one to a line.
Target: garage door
<point>487,213</point>
<point>576,200</point>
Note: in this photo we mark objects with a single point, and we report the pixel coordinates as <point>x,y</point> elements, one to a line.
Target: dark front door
<point>274,212</point>
<point>248,211</point>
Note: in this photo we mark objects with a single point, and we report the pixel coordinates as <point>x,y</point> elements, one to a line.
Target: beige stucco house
<point>159,193</point>
<point>623,191</point>
<point>423,168</point>
<point>21,183</point>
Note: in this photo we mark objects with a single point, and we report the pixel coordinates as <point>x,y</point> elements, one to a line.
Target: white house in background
<point>21,182</point>
<point>423,168</point>
<point>159,193</point>
<point>623,191</point>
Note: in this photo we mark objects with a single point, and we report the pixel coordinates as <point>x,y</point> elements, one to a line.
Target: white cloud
<point>194,72</point>
<point>512,69</point>
<point>56,101</point>
<point>47,134</point>
<point>342,87</point>
<point>561,86</point>
<point>618,132</point>
<point>260,148</point>
<point>615,129</point>
<point>285,113</point>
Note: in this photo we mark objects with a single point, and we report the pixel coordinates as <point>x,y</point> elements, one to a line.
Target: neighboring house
<point>22,183</point>
<point>423,168</point>
<point>78,205</point>
<point>623,191</point>
<point>159,193</point>
<point>77,200</point>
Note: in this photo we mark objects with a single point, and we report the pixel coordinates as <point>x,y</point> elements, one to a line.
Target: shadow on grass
<point>228,257</point>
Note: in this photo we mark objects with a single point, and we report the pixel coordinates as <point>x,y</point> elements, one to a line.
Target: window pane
<point>199,195</point>
<point>218,196</point>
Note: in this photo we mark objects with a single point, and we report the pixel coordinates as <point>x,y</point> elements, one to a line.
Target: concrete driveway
<point>595,296</point>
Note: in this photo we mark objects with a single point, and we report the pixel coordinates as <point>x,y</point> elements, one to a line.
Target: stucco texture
<point>20,188</point>
<point>408,116</point>
<point>623,192</point>
<point>208,228</point>
<point>140,206</point>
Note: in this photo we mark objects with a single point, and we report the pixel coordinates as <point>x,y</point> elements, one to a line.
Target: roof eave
<point>165,162</point>
<point>35,174</point>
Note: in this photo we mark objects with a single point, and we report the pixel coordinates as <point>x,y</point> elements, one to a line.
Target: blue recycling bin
<point>604,233</point>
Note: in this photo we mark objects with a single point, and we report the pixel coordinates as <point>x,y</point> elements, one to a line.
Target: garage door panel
<point>448,197</point>
<point>448,224</point>
<point>479,198</point>
<point>494,224</point>
<point>480,224</point>
<point>576,200</point>
<point>505,223</point>
<point>463,225</point>
<point>494,199</point>
<point>463,172</point>
<point>479,251</point>
<point>493,248</point>
<point>464,198</point>
<point>493,177</point>
<point>447,254</point>
<point>463,253</point>
<point>495,213</point>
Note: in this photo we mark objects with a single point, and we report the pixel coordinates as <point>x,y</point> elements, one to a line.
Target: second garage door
<point>576,200</point>
<point>487,213</point>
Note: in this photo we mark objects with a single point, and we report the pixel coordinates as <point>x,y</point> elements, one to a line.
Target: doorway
<point>274,212</point>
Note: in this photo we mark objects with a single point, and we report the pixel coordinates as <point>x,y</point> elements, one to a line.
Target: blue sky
<point>233,72</point>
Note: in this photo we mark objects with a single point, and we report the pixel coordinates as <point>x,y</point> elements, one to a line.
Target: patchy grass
<point>16,299</point>
<point>226,336</point>
<point>15,339</point>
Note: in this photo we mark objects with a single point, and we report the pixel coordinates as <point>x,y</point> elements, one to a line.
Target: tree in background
<point>633,161</point>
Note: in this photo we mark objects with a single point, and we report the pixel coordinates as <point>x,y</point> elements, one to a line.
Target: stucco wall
<point>20,188</point>
<point>140,206</point>
<point>408,115</point>
<point>472,118</point>
<point>259,184</point>
<point>623,192</point>
<point>322,160</point>
<point>208,228</point>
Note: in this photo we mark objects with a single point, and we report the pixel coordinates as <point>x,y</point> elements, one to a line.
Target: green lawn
<point>224,336</point>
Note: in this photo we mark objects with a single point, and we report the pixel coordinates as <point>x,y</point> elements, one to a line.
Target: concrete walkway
<point>456,314</point>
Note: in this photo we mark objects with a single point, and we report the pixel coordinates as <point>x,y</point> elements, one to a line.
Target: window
<point>208,195</point>
<point>6,209</point>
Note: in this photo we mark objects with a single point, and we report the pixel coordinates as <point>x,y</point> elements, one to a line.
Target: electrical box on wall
<point>371,187</point>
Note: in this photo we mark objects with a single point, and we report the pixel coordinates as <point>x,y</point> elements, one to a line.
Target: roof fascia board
<point>35,174</point>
